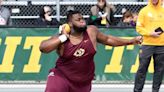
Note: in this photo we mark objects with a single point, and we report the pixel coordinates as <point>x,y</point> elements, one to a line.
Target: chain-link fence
<point>26,12</point>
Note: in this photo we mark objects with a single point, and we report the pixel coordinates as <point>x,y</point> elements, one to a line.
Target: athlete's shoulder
<point>92,31</point>
<point>92,28</point>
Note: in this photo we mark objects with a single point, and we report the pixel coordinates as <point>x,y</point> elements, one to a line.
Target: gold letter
<point>33,43</point>
<point>114,66</point>
<point>11,45</point>
<point>135,66</point>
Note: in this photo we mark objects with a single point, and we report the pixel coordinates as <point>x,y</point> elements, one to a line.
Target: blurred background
<point>25,12</point>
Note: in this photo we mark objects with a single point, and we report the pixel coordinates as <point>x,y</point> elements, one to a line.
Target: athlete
<point>75,68</point>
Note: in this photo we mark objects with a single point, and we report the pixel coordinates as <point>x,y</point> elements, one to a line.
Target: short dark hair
<point>70,13</point>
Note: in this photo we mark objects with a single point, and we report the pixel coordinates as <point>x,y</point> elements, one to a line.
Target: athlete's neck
<point>76,33</point>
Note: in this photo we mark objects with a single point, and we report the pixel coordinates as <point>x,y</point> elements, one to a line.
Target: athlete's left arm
<point>116,41</point>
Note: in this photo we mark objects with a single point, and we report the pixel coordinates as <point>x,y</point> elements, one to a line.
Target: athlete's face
<point>155,2</point>
<point>78,22</point>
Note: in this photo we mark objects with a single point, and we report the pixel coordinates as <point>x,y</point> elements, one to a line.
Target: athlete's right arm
<point>49,45</point>
<point>54,42</point>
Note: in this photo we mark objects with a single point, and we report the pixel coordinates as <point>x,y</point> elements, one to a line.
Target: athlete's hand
<point>137,40</point>
<point>62,30</point>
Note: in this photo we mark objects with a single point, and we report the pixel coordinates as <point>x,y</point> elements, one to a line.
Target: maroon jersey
<point>77,61</point>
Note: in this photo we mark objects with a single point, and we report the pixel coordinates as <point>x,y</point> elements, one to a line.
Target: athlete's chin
<point>83,24</point>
